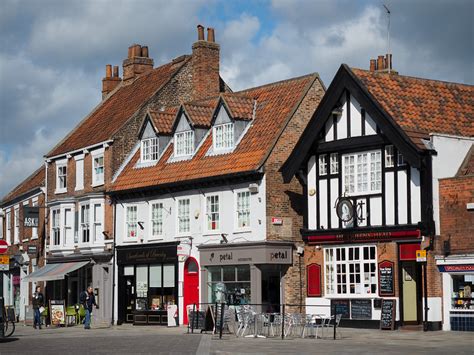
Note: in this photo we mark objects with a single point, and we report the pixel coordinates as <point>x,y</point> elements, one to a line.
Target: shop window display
<point>229,284</point>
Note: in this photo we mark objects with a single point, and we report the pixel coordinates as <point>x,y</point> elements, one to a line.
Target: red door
<point>191,285</point>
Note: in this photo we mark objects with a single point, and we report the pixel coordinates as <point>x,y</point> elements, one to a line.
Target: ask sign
<point>31,216</point>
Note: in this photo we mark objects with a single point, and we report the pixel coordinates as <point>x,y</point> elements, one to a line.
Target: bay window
<point>184,143</point>
<point>55,227</point>
<point>223,136</point>
<point>150,149</point>
<point>243,209</point>
<point>362,173</point>
<point>212,212</point>
<point>156,219</point>
<point>85,224</point>
<point>351,270</point>
<point>131,221</point>
<point>183,216</point>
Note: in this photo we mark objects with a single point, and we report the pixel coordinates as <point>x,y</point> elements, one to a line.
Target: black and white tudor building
<point>368,161</point>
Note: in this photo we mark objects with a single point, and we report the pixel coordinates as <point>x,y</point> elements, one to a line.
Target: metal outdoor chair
<point>331,322</point>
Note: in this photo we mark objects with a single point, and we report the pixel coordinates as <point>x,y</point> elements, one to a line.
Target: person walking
<point>87,299</point>
<point>38,302</point>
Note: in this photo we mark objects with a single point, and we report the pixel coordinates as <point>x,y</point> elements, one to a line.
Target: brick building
<point>26,244</point>
<point>79,169</point>
<point>370,160</point>
<point>201,203</point>
<point>454,249</point>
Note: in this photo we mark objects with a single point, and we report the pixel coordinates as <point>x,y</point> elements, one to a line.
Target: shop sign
<point>387,314</point>
<point>421,256</point>
<point>58,314</point>
<point>247,255</point>
<point>277,221</point>
<point>362,237</point>
<point>31,216</point>
<point>4,263</point>
<point>166,254</point>
<point>32,249</point>
<point>456,268</point>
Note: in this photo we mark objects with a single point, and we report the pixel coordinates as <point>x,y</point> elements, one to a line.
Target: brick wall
<point>205,73</point>
<point>286,201</point>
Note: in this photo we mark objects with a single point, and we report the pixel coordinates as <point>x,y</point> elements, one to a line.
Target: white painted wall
<point>198,218</point>
<point>415,195</point>
<point>312,186</point>
<point>389,198</point>
<point>451,152</point>
<point>402,197</point>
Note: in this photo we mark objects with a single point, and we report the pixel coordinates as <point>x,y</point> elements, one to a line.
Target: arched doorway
<point>191,285</point>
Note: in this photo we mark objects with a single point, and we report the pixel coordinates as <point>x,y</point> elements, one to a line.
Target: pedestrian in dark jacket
<point>87,299</point>
<point>38,302</point>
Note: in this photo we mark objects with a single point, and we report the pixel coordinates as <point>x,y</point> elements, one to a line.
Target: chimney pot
<point>137,50</point>
<point>200,29</point>
<point>108,71</point>
<point>145,51</point>
<point>130,51</point>
<point>210,35</point>
<point>373,65</point>
<point>380,63</point>
<point>116,71</point>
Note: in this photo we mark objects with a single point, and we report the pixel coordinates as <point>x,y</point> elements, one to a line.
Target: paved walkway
<point>129,339</point>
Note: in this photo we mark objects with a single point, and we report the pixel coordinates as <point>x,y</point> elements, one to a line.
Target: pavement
<point>128,339</point>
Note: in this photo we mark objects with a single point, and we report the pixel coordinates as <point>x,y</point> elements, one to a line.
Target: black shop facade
<point>147,283</point>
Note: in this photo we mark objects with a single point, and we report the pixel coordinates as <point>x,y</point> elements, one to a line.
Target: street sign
<point>3,247</point>
<point>277,221</point>
<point>4,263</point>
<point>421,256</point>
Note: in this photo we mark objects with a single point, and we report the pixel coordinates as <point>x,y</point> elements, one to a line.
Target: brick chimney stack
<point>205,65</point>
<point>137,62</point>
<point>110,81</point>
<point>382,64</point>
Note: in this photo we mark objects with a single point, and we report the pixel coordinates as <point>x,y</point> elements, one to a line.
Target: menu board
<point>341,307</point>
<point>57,312</point>
<point>386,278</point>
<point>387,316</point>
<point>197,320</point>
<point>361,309</point>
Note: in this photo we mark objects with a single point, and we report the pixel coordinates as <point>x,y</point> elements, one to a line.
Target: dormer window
<point>223,136</point>
<point>184,143</point>
<point>150,149</point>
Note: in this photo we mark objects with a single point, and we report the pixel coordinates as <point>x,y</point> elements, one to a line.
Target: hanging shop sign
<point>31,217</point>
<point>32,249</point>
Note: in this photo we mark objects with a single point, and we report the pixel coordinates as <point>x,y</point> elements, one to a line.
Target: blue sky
<point>53,53</point>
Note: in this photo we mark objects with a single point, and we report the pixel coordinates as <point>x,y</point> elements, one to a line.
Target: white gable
<point>183,124</point>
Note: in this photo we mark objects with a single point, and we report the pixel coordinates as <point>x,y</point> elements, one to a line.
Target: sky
<point>53,52</point>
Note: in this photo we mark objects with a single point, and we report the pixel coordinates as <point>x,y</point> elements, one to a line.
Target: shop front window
<point>155,286</point>
<point>463,286</point>
<point>351,270</point>
<point>229,284</point>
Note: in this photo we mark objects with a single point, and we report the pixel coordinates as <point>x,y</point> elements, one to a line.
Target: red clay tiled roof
<point>163,120</point>
<point>422,106</point>
<point>32,182</point>
<point>241,107</point>
<point>200,114</point>
<point>275,102</point>
<point>117,108</point>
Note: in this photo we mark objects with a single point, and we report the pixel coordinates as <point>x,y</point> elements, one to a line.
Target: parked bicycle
<point>8,324</point>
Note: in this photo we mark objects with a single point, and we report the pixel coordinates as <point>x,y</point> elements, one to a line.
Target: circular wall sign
<point>345,210</point>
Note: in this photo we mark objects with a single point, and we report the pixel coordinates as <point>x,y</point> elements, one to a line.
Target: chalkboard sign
<point>361,309</point>
<point>197,320</point>
<point>387,317</point>
<point>386,278</point>
<point>341,307</point>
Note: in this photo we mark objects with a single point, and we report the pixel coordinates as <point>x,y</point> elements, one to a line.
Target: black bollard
<point>192,320</point>
<point>222,321</point>
<point>2,318</point>
<point>283,322</point>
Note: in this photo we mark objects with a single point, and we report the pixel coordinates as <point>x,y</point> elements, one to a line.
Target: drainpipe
<point>113,264</point>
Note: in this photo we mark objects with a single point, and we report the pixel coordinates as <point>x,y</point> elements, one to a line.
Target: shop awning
<point>52,272</point>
